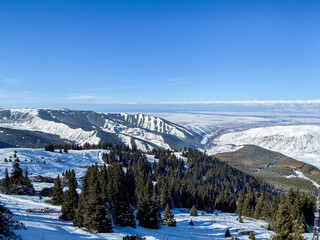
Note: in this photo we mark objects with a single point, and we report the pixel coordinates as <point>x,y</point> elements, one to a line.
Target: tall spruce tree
<point>148,207</point>
<point>57,192</point>
<point>92,212</point>
<point>82,203</point>
<point>96,218</point>
<point>284,223</point>
<point>168,218</point>
<point>71,197</point>
<point>6,181</point>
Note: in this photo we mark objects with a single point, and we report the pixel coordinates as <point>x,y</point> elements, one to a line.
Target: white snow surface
<point>154,124</point>
<point>48,226</point>
<point>55,162</point>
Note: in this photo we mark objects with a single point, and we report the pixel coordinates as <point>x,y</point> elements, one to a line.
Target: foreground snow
<point>48,226</point>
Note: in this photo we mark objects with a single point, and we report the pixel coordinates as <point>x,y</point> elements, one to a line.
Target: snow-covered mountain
<point>301,142</point>
<point>32,127</point>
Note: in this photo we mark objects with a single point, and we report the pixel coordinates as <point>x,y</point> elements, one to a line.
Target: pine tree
<point>227,233</point>
<point>168,218</point>
<point>70,204</point>
<point>125,215</point>
<point>57,193</point>
<point>17,174</point>
<point>284,223</point>
<point>65,149</point>
<point>148,207</point>
<point>6,181</point>
<point>96,218</point>
<point>8,224</point>
<point>252,236</point>
<point>82,203</point>
<point>193,211</point>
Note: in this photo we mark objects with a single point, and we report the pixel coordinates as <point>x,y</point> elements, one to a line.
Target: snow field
<point>48,226</point>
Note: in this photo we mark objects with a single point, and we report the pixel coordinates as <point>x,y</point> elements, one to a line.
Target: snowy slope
<point>29,119</point>
<point>55,162</point>
<point>301,142</point>
<point>48,226</point>
<point>47,125</point>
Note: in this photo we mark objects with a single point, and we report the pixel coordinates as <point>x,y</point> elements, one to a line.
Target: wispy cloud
<point>84,97</point>
<point>123,87</point>
<point>11,81</point>
<point>249,102</point>
<point>262,102</point>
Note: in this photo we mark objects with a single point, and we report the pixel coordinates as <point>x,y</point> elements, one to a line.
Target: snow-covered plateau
<point>301,142</point>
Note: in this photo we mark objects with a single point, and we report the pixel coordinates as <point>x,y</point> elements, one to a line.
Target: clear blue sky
<point>71,52</point>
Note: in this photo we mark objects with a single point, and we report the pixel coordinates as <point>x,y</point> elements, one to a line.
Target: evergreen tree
<point>252,236</point>
<point>148,207</point>
<point>284,223</point>
<point>65,149</point>
<point>96,218</point>
<point>125,215</point>
<point>168,218</point>
<point>70,203</point>
<point>193,211</point>
<point>57,192</point>
<point>6,181</point>
<point>82,203</point>
<point>8,224</point>
<point>17,174</point>
<point>227,233</point>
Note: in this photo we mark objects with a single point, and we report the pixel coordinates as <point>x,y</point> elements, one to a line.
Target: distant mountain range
<point>38,127</point>
<point>295,136</point>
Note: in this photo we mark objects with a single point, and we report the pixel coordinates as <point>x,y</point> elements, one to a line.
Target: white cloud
<point>10,81</point>
<point>84,97</point>
<point>258,102</point>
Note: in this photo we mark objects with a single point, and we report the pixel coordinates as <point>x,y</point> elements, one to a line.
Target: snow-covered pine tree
<point>193,211</point>
<point>8,224</point>
<point>168,218</point>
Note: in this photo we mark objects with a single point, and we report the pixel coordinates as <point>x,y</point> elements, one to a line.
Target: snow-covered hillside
<point>40,162</point>
<point>29,119</point>
<point>48,226</point>
<point>42,126</point>
<point>301,142</point>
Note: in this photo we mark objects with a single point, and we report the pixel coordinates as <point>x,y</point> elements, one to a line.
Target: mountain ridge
<point>71,126</point>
